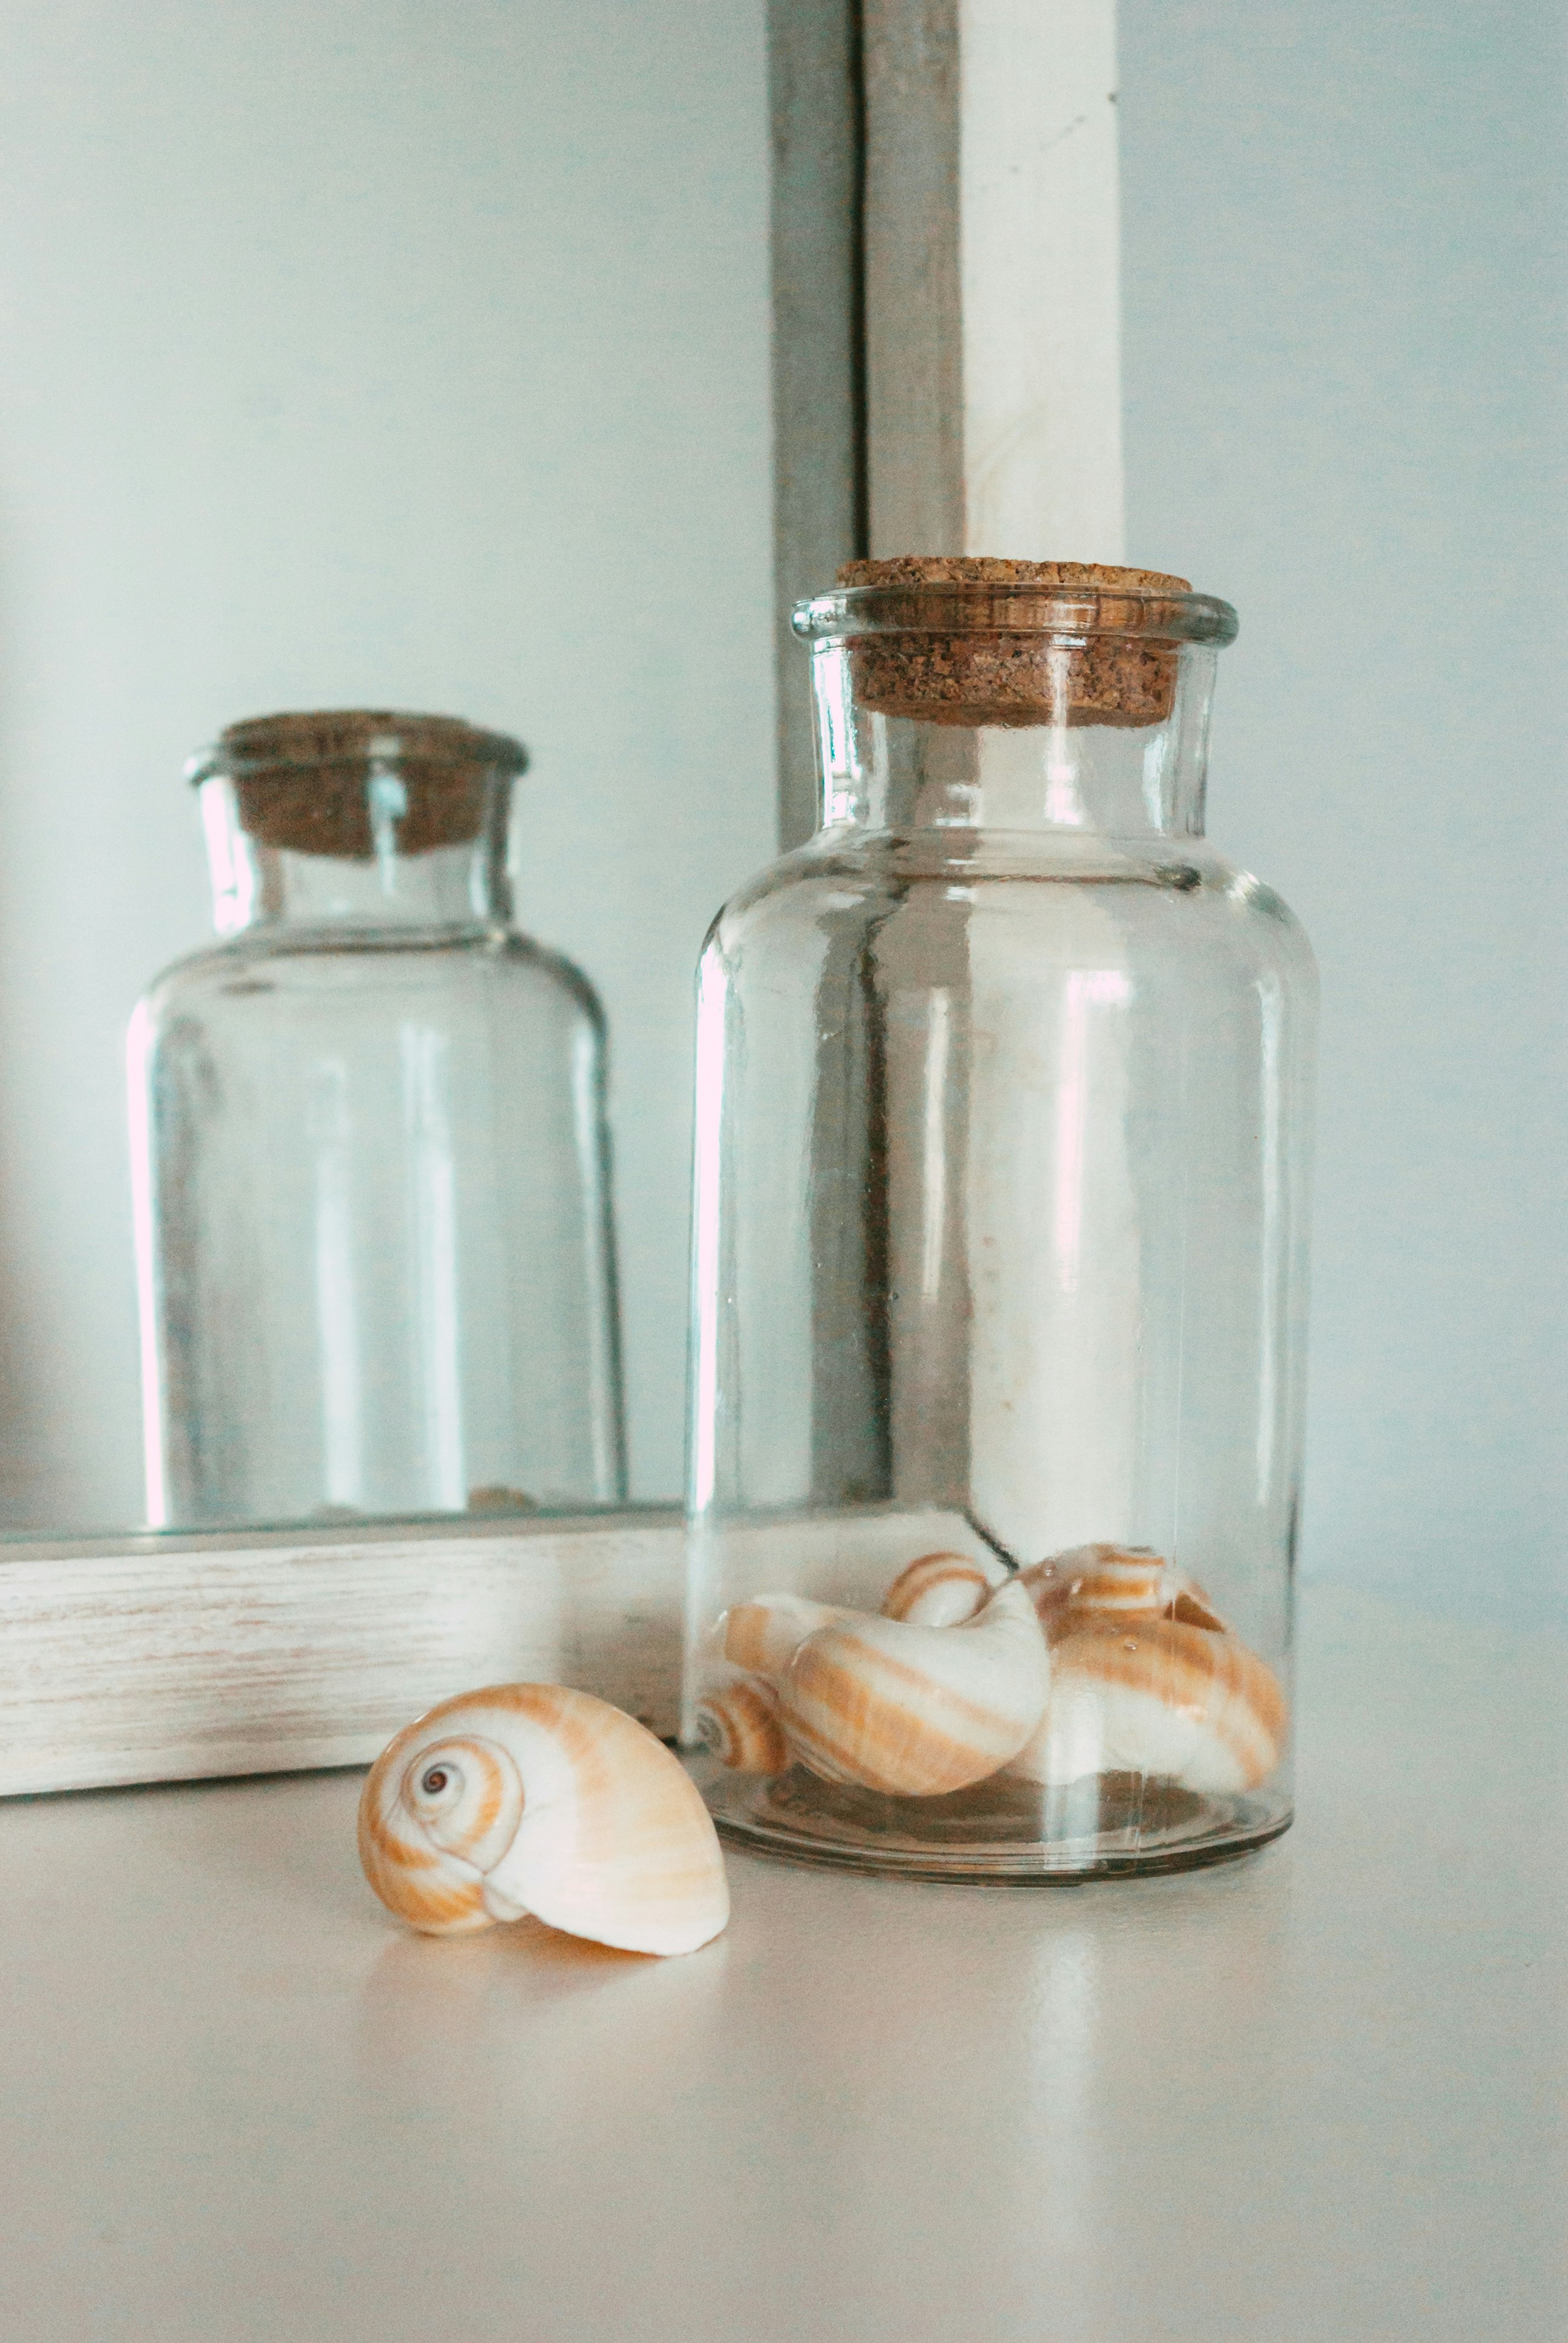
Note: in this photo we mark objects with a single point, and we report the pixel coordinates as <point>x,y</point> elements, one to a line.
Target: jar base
<point>1102,1825</point>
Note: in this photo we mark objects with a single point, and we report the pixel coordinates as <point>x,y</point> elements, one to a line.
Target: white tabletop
<point>1314,2095</point>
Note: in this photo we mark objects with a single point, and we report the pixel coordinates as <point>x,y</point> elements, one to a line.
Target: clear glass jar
<point>999,1252</point>
<point>370,1151</point>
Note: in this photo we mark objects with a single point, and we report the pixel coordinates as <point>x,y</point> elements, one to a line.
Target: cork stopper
<point>1081,640</point>
<point>303,781</point>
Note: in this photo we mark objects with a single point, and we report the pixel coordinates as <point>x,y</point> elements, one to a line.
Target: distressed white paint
<point>174,1658</point>
<point>1054,1247</point>
<point>994,415</point>
<point>1039,280</point>
<point>1053,1410</point>
<point>992,299</point>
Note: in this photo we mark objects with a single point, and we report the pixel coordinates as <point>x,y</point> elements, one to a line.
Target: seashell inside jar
<point>999,1251</point>
<point>1092,1711</point>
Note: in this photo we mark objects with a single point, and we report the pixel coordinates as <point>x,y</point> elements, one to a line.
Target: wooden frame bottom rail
<point>165,1659</point>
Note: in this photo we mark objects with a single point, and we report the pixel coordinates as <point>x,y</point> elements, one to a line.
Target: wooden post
<point>993,427</point>
<point>818,374</point>
<point>992,295</point>
<point>946,297</point>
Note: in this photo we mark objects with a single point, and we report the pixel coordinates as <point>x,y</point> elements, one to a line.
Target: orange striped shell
<point>942,1590</point>
<point>763,1635</point>
<point>1190,1606</point>
<point>739,1722</point>
<point>1127,1580</point>
<point>1131,1582</point>
<point>534,1799</point>
<point>1157,1697</point>
<point>917,1711</point>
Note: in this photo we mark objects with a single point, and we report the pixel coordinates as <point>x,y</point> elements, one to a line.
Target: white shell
<point>532,1798</point>
<point>1157,1697</point>
<point>942,1590</point>
<point>917,1711</point>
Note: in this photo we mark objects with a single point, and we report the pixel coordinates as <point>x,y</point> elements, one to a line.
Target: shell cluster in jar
<point>1101,1660</point>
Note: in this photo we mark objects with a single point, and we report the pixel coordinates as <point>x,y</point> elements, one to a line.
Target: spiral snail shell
<point>532,1798</point>
<point>739,1722</point>
<point>1159,1697</point>
<point>916,1711</point>
<point>1124,1582</point>
<point>942,1590</point>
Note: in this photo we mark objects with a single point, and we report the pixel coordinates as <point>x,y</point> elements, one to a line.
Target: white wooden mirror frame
<point>946,378</point>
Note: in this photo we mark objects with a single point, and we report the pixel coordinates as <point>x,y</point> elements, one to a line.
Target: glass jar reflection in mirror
<point>370,1159</point>
<point>1000,1248</point>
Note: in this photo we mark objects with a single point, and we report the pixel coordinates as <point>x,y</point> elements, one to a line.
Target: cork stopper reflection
<point>960,664</point>
<point>328,781</point>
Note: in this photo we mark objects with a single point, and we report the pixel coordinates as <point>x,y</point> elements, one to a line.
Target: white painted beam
<point>167,1658</point>
<point>992,282</point>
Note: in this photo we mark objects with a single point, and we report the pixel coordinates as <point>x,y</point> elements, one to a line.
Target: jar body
<point>999,1252</point>
<point>372,1181</point>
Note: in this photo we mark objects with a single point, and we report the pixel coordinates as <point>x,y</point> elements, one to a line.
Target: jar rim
<point>260,747</point>
<point>971,607</point>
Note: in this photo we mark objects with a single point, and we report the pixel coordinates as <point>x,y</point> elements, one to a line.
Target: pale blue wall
<point>362,351</point>
<point>1345,373</point>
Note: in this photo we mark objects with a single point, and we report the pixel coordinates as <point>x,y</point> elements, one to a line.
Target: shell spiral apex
<point>739,1722</point>
<point>534,1799</point>
<point>940,1590</point>
<point>1126,1581</point>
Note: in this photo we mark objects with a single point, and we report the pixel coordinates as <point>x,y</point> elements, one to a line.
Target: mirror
<point>370,356</point>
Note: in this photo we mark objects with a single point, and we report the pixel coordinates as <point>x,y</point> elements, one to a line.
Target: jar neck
<point>453,886</point>
<point>884,770</point>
